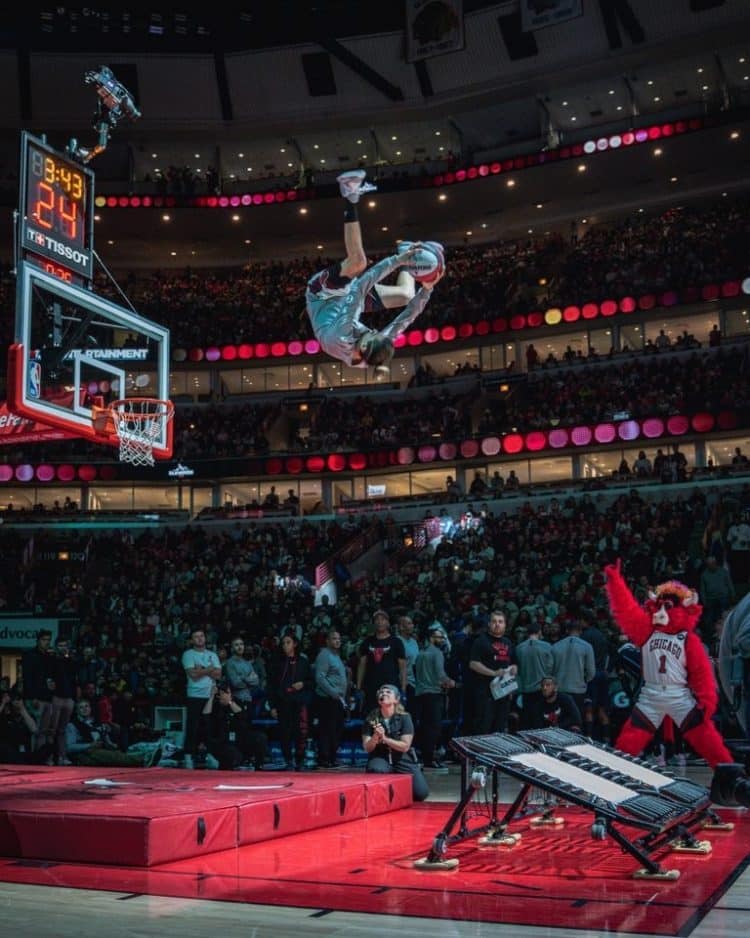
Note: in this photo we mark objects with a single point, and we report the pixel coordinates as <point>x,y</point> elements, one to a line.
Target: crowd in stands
<point>691,245</point>
<point>137,599</point>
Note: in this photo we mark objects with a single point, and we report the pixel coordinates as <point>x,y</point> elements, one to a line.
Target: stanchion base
<point>669,875</point>
<point>428,865</point>
<point>701,847</point>
<point>501,840</point>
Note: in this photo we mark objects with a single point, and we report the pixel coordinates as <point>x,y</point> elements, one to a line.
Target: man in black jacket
<point>230,738</point>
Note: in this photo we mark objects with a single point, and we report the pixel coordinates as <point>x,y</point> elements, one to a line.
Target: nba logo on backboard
<point>35,378</point>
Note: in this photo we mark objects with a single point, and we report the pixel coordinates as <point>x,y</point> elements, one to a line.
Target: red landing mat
<point>141,817</point>
<point>551,879</point>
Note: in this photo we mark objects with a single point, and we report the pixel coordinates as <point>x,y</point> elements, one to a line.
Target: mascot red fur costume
<point>678,678</point>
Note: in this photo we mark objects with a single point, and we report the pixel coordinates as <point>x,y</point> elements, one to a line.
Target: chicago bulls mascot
<point>678,679</point>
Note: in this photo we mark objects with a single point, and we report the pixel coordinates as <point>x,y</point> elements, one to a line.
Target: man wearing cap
<point>431,685</point>
<point>382,660</point>
<point>387,739</point>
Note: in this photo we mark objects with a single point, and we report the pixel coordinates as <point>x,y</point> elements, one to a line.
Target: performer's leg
<point>352,185</point>
<point>400,294</point>
<point>633,739</point>
<point>709,745</point>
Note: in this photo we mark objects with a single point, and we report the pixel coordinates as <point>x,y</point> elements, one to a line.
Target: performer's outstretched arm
<point>408,314</point>
<point>634,621</point>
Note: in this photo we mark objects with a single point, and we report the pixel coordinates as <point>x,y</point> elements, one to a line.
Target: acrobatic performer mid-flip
<point>337,296</point>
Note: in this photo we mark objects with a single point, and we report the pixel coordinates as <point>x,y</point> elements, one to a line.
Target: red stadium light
<point>336,462</point>
<point>571,314</point>
<point>482,327</point>
<point>447,451</point>
<point>590,310</point>
<point>628,139</point>
<point>123,201</point>
<point>223,201</point>
<point>627,304</point>
<point>647,301</point>
<point>415,337</point>
<point>212,201</point>
<point>196,355</point>
<point>469,449</point>
<point>405,456</point>
<point>581,436</point>
<point>730,288</point>
<point>499,324</point>
<point>66,473</point>
<point>296,348</point>
<point>535,319</point>
<point>135,201</point>
<point>246,200</point>
<point>466,330</point>
<point>460,175</point>
<point>604,432</point>
<point>608,308</point>
<point>654,133</point>
<point>727,420</point>
<point>257,199</point>
<point>235,201</point>
<point>513,443</point>
<point>229,353</point>
<point>147,201</point>
<point>536,441</point>
<point>292,195</point>
<point>112,201</point>
<point>495,168</point>
<point>449,179</point>
<point>45,472</point>
<point>653,427</point>
<point>262,350</point>
<point>448,333</point>
<point>278,349</point>
<point>357,461</point>
<point>280,197</point>
<point>517,322</point>
<point>6,473</point>
<point>426,454</point>
<point>315,463</point>
<point>702,422</point>
<point>312,346</point>
<point>399,341</point>
<point>87,473</point>
<point>677,425</point>
<point>667,130</point>
<point>431,335</point>
<point>269,198</point>
<point>274,467</point>
<point>710,292</point>
<point>484,169</point>
<point>245,351</point>
<point>294,465</point>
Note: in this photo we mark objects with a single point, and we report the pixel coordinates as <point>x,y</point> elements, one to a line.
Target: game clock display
<point>57,197</point>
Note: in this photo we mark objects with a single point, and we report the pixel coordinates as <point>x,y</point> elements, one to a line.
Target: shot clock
<point>56,202</point>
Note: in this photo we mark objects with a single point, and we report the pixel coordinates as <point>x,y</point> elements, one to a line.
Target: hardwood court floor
<point>52,910</point>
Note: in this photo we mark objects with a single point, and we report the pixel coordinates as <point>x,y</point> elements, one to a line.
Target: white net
<point>139,423</point>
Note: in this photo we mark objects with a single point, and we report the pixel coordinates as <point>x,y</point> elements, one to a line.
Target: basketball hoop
<point>138,423</point>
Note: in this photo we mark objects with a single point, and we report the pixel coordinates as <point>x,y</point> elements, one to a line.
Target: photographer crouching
<point>230,738</point>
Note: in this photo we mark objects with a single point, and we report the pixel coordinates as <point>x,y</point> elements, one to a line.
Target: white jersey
<point>663,659</point>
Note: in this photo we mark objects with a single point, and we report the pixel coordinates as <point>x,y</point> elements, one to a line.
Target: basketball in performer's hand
<point>426,264</point>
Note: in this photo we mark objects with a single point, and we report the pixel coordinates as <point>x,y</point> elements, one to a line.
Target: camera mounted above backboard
<point>114,102</point>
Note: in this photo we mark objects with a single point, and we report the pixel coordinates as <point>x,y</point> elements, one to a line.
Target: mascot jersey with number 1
<point>678,679</point>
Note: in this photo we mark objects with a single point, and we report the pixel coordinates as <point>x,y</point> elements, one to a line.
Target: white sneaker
<point>352,185</point>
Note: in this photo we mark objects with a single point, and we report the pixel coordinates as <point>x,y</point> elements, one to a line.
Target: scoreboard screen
<point>56,203</point>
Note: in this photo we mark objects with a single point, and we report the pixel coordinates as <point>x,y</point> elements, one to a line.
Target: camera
<point>114,95</point>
